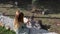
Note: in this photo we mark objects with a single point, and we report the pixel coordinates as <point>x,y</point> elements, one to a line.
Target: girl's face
<point>17,12</point>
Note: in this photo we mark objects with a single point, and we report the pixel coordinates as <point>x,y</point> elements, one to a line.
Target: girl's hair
<point>18,20</point>
<point>20,16</point>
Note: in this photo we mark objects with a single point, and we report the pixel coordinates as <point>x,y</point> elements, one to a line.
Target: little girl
<point>19,26</point>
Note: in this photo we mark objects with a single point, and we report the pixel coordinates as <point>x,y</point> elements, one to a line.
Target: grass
<point>4,31</point>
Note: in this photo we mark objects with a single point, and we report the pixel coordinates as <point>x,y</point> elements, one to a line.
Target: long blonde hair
<point>18,19</point>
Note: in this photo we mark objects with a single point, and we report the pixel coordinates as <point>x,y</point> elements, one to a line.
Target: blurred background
<point>46,10</point>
